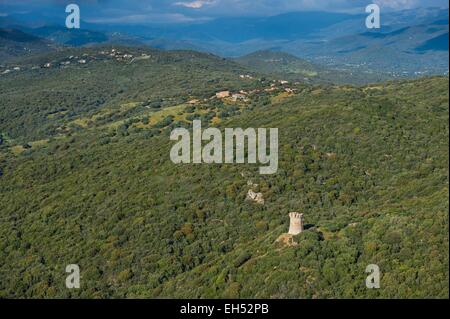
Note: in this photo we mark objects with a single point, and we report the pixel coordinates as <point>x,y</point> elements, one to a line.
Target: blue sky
<point>147,11</point>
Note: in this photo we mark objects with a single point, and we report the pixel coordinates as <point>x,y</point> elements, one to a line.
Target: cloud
<point>397,4</point>
<point>142,19</point>
<point>194,4</point>
<point>160,11</point>
<point>272,7</point>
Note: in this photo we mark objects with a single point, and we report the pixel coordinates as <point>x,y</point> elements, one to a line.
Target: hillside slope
<point>290,67</point>
<point>80,82</point>
<point>15,43</point>
<point>367,166</point>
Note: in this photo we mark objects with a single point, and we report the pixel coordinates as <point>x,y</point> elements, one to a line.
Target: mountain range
<point>409,43</point>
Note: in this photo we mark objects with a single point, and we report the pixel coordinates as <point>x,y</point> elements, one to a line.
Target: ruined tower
<point>296,226</point>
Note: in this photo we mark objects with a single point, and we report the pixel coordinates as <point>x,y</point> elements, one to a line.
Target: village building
<point>289,90</point>
<point>223,94</point>
<point>238,97</point>
<point>192,102</point>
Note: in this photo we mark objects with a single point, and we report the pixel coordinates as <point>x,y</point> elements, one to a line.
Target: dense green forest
<point>86,178</point>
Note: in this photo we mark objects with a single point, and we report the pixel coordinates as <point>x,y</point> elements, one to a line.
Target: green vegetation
<point>290,67</point>
<point>86,178</point>
<point>14,43</point>
<point>61,96</point>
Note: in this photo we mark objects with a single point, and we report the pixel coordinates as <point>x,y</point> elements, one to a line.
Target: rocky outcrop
<point>286,240</point>
<point>255,197</point>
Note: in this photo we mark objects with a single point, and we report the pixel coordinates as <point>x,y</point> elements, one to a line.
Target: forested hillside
<point>64,86</point>
<point>14,43</point>
<point>292,68</point>
<point>86,178</point>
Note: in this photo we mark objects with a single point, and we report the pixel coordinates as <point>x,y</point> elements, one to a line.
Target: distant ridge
<point>439,43</point>
<point>290,67</point>
<point>15,43</point>
<point>17,36</point>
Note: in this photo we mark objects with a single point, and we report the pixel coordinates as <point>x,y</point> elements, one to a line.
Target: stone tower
<point>296,226</point>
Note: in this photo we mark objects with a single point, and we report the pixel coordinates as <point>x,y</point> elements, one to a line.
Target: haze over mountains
<point>409,43</point>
